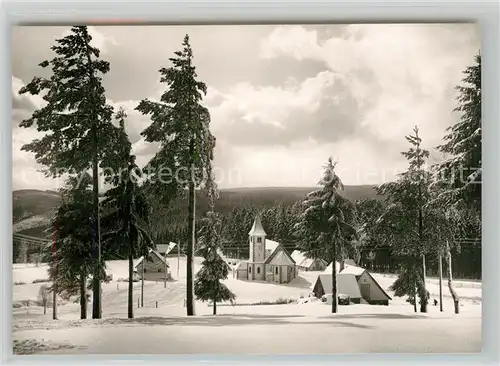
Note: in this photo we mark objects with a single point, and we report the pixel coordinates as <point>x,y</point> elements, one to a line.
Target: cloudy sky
<point>282,98</point>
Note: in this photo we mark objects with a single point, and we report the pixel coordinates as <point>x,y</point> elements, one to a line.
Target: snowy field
<point>162,327</point>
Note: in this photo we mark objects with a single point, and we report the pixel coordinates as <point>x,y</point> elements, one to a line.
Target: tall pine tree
<point>128,210</point>
<point>208,285</point>
<point>327,223</point>
<point>76,121</point>
<point>73,226</point>
<point>181,124</point>
<point>459,176</point>
<point>407,199</point>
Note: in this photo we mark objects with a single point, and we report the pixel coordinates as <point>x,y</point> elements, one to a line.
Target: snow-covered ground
<point>291,328</point>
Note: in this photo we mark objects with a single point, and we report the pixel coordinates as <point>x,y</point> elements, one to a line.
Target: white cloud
<point>378,82</point>
<point>270,105</point>
<point>406,73</point>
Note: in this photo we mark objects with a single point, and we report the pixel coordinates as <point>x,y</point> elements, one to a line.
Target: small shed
<point>308,264</point>
<point>156,268</point>
<point>346,285</point>
<point>170,250</point>
<point>371,290</point>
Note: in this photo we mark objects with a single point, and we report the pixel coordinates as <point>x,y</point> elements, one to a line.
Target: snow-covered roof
<point>357,271</point>
<point>271,245</point>
<point>257,228</point>
<point>346,284</point>
<point>281,259</point>
<point>353,269</point>
<point>301,260</point>
<point>156,254</point>
<point>298,257</point>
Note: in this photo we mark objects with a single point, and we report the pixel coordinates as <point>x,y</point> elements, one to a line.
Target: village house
<point>170,250</point>
<point>308,264</point>
<point>369,289</point>
<point>269,261</point>
<point>156,267</point>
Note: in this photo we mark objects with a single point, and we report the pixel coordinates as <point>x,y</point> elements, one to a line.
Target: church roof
<point>271,245</point>
<point>257,228</point>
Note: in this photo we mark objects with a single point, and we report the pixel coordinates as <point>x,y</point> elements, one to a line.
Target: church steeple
<point>257,229</point>
<point>257,241</point>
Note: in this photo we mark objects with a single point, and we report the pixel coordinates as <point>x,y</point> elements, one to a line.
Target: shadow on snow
<point>221,320</point>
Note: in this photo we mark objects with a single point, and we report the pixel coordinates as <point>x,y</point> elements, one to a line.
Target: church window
<point>258,270</point>
<point>276,270</point>
<point>249,269</point>
<point>259,240</point>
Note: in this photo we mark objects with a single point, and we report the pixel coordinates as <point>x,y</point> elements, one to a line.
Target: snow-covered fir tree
<point>459,176</point>
<point>181,124</point>
<point>76,121</point>
<point>208,285</point>
<point>327,224</point>
<point>405,222</point>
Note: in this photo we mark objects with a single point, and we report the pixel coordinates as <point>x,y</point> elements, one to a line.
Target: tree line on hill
<point>422,216</point>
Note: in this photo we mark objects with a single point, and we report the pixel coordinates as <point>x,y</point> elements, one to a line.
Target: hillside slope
<point>33,208</point>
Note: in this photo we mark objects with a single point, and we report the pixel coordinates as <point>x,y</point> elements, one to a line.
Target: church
<point>269,261</point>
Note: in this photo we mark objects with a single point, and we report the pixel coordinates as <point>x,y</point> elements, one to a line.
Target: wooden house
<point>156,267</point>
<point>308,264</point>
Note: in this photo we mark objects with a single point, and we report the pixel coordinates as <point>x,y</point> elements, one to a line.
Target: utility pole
<point>165,280</point>
<point>440,281</point>
<point>142,281</point>
<point>178,259</point>
<point>54,284</point>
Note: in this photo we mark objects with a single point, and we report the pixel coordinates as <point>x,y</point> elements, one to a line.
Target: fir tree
<point>327,222</point>
<point>76,120</point>
<point>208,286</point>
<point>404,217</point>
<point>129,210</point>
<point>459,176</point>
<point>181,125</point>
<point>73,231</point>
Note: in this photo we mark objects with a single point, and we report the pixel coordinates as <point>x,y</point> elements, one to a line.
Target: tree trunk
<point>415,299</point>
<point>456,300</point>
<point>45,308</point>
<point>142,280</point>
<point>165,271</point>
<point>215,308</point>
<point>191,238</point>
<point>334,278</point>
<point>96,276</point>
<point>131,283</point>
<point>440,282</point>
<point>96,280</point>
<point>423,297</point>
<point>54,284</point>
<point>83,294</point>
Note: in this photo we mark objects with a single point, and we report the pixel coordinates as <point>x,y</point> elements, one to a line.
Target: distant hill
<point>33,208</point>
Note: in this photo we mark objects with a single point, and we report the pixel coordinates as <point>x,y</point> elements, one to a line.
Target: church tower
<point>257,239</point>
